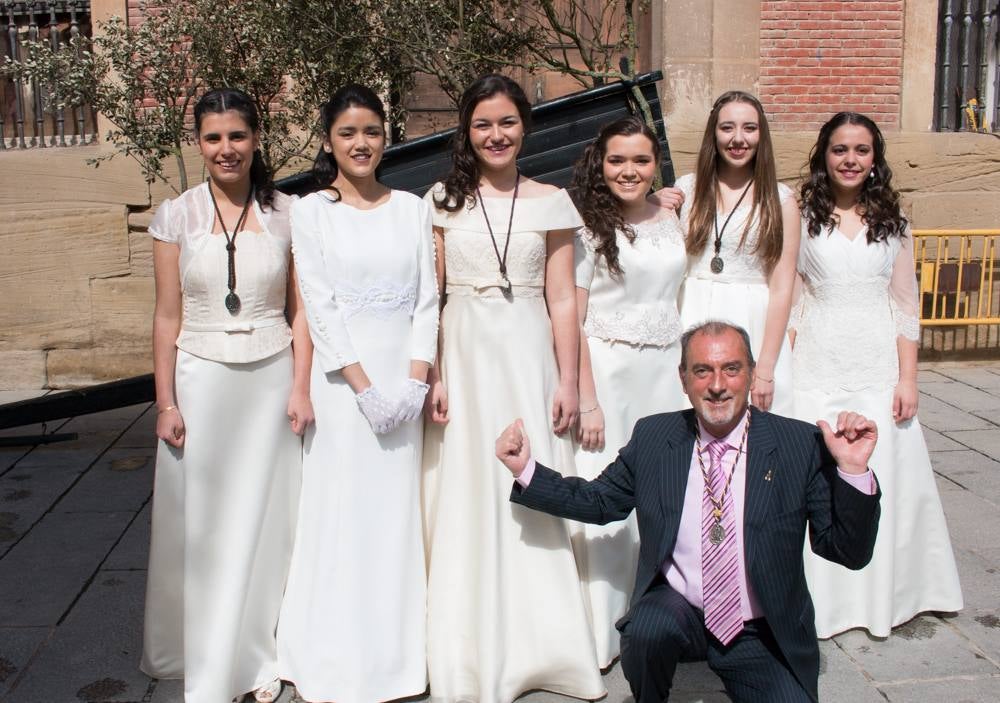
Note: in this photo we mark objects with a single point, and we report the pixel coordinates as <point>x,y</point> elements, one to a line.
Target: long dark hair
<point>325,169</point>
<point>878,201</point>
<point>766,205</point>
<point>461,182</point>
<point>222,100</point>
<point>600,209</point>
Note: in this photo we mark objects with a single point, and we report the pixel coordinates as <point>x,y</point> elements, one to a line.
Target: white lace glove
<point>411,402</point>
<point>378,410</point>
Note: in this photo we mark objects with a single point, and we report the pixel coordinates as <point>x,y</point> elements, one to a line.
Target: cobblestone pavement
<point>74,530</point>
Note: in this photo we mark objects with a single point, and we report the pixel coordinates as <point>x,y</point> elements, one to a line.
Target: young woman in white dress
<point>630,263</point>
<point>505,608</point>
<point>856,327</point>
<point>352,626</point>
<point>742,241</point>
<point>231,355</point>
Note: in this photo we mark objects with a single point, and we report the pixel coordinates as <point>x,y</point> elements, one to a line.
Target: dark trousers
<point>664,629</point>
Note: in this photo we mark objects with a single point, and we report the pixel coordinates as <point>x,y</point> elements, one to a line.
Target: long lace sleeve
<point>425,310</point>
<point>329,334</point>
<point>798,302</point>
<point>584,258</point>
<point>903,297</point>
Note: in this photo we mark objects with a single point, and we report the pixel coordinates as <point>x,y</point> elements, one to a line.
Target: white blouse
<point>208,329</point>
<point>377,262</point>
<point>639,307</point>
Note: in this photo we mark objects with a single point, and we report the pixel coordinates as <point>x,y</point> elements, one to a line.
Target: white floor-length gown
<point>506,611</point>
<point>739,294</point>
<point>224,504</point>
<point>856,299</point>
<point>632,330</point>
<point>352,626</point>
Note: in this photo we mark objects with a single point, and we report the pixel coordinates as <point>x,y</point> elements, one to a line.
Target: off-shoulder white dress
<point>632,328</point>
<point>740,293</point>
<point>857,298</point>
<point>352,626</point>
<point>224,504</point>
<point>505,608</point>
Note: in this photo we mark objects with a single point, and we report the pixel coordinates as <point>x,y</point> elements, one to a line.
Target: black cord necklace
<point>501,260</point>
<point>717,263</point>
<point>232,300</point>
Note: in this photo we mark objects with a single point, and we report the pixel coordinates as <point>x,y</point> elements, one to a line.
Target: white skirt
<point>506,611</point>
<point>632,382</point>
<point>352,627</point>
<point>223,519</point>
<point>913,568</point>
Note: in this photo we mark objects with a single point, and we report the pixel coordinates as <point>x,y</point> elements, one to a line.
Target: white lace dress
<point>632,330</point>
<point>224,504</point>
<point>739,294</point>
<point>856,299</point>
<point>352,625</point>
<point>506,612</point>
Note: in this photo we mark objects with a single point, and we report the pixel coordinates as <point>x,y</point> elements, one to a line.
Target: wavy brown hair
<point>461,182</point>
<point>878,201</point>
<point>765,205</point>
<point>600,209</point>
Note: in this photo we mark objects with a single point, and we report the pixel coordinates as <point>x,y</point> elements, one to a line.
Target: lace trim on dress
<point>907,326</point>
<point>380,299</point>
<point>653,325</point>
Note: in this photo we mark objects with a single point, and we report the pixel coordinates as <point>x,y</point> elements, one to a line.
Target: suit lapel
<point>762,474</point>
<point>675,465</point>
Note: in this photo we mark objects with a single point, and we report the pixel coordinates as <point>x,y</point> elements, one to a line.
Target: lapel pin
<point>769,475</point>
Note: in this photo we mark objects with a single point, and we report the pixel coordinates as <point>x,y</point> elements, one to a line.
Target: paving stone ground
<point>74,533</point>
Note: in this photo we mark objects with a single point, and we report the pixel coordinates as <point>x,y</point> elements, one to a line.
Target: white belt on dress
<point>487,288</point>
<point>233,326</point>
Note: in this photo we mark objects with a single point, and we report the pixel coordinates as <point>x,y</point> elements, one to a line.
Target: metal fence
<point>959,286</point>
<point>968,80</point>
<point>24,122</point>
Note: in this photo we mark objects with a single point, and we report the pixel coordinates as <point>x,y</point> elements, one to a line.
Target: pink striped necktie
<point>719,574</point>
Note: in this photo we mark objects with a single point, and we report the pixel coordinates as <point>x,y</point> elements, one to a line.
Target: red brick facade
<point>817,58</point>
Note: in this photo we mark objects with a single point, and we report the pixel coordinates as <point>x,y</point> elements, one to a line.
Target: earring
<point>871,174</point>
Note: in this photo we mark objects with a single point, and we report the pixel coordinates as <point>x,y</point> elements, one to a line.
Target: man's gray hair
<point>715,328</point>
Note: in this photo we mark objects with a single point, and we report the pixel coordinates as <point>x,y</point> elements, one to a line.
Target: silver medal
<point>716,534</point>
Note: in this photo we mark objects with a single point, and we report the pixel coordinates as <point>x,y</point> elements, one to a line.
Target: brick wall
<point>817,58</point>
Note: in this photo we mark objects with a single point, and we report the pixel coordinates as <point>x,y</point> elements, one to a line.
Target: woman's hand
<point>591,431</point>
<point>411,400</point>
<point>436,400</point>
<point>762,391</point>
<point>378,410</point>
<point>170,426</point>
<point>904,401</point>
<point>668,198</point>
<point>565,407</point>
<point>300,412</point>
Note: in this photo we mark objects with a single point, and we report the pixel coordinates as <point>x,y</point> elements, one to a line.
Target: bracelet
<point>589,410</point>
<point>765,380</point>
<point>166,409</point>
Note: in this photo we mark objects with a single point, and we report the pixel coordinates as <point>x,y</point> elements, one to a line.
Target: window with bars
<point>968,82</point>
<point>24,121</point>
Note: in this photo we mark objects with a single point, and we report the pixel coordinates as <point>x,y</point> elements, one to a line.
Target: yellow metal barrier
<point>957,271</point>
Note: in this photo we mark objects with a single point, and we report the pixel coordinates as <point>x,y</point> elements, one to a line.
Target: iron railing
<point>959,284</point>
<point>968,82</point>
<point>24,121</point>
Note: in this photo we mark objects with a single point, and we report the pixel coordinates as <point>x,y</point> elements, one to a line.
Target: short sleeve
<point>584,258</point>
<point>161,227</point>
<point>903,297</point>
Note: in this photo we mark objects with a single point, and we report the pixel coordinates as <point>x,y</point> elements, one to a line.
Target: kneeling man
<point>723,495</point>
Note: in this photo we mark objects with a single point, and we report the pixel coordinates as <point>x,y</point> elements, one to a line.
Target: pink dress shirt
<point>683,568</point>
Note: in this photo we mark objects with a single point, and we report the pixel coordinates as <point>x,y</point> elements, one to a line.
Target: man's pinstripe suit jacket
<point>791,482</point>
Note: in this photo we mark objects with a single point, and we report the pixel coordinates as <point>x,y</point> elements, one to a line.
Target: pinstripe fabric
<point>791,486</point>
